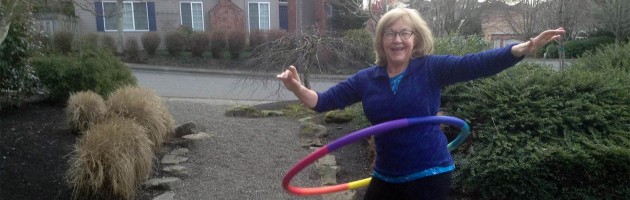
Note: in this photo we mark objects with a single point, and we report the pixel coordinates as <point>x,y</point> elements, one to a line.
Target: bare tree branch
<point>310,51</point>
<point>614,16</point>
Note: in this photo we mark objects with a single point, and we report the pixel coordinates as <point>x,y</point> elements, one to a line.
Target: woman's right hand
<point>290,79</point>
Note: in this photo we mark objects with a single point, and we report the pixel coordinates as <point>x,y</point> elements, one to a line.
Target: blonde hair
<point>423,38</point>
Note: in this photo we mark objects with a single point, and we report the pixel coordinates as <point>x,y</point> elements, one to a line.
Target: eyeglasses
<point>404,35</point>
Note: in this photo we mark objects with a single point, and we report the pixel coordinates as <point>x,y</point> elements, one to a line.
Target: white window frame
<point>192,18</point>
<point>132,16</point>
<point>268,16</point>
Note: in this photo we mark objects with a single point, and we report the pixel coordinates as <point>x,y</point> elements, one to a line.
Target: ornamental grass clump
<point>110,161</point>
<point>143,107</point>
<point>84,109</point>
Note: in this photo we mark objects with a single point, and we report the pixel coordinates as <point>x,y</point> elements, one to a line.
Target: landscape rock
<point>312,130</point>
<point>186,129</point>
<point>173,159</point>
<point>338,116</point>
<point>168,183</point>
<point>198,136</point>
<point>327,167</point>
<point>166,196</point>
<point>180,151</point>
<point>243,111</point>
<point>176,170</point>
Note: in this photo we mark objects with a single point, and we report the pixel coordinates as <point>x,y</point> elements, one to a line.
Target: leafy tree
<point>348,15</point>
<point>17,77</point>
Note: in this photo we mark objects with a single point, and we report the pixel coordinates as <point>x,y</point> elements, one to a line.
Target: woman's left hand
<point>530,47</point>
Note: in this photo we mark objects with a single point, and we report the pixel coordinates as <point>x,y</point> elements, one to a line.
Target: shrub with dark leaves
<point>150,42</point>
<point>218,43</point>
<point>175,43</point>
<point>62,40</point>
<point>236,43</point>
<point>199,43</point>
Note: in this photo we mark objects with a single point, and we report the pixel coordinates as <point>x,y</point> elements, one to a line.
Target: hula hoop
<point>353,137</point>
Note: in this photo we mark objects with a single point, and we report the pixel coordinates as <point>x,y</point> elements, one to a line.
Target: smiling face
<point>398,50</point>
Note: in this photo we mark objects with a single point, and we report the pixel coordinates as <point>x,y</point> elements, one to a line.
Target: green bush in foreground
<point>97,71</point>
<point>541,134</point>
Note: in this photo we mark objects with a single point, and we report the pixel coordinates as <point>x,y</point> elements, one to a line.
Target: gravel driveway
<point>245,159</point>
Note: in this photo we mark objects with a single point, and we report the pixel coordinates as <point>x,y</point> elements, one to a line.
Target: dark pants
<point>429,188</point>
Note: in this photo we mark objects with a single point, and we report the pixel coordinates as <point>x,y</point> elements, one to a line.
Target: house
<point>496,25</point>
<point>163,16</point>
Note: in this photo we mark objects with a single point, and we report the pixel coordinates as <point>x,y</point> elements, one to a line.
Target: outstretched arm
<point>531,46</point>
<point>291,81</point>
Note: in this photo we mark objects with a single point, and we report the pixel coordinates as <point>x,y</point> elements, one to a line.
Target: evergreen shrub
<point>575,48</point>
<point>542,134</point>
<point>615,57</point>
<point>17,76</point>
<point>96,70</point>
<point>460,45</point>
<point>62,40</point>
<point>360,44</point>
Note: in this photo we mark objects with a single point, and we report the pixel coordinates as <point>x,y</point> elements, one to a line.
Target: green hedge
<point>460,45</point>
<point>541,134</point>
<point>97,70</point>
<point>611,57</point>
<point>575,48</point>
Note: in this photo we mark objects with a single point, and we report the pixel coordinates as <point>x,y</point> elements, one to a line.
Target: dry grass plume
<point>145,108</point>
<point>110,161</point>
<point>83,110</point>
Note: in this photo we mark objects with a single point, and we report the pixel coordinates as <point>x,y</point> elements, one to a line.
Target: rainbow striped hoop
<point>353,137</point>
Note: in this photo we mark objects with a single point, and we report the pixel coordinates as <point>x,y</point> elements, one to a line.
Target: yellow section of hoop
<point>359,184</point>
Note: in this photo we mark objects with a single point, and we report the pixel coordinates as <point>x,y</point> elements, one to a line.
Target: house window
<point>135,16</point>
<point>192,15</point>
<point>259,16</point>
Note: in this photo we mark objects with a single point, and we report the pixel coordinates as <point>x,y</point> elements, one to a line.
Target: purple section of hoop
<point>373,130</point>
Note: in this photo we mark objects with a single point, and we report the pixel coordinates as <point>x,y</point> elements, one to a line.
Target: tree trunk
<point>120,26</point>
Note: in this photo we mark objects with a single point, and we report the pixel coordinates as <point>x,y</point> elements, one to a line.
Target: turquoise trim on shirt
<point>395,81</point>
<point>414,176</point>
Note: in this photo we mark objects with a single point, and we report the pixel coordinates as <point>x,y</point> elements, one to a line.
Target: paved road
<point>219,86</point>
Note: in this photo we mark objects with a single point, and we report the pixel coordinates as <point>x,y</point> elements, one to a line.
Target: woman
<point>414,162</point>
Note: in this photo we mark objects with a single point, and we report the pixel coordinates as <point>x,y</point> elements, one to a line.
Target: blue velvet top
<point>412,149</point>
